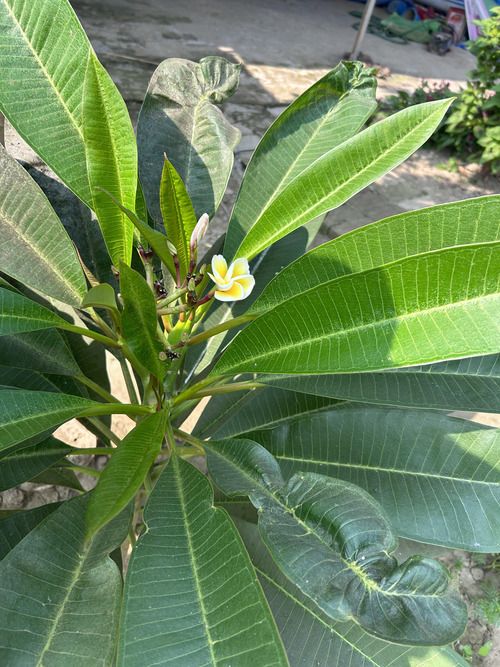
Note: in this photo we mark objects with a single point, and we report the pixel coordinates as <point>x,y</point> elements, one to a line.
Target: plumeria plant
<point>288,407</point>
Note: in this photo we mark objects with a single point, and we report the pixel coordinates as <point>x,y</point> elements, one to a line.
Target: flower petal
<point>247,282</point>
<point>240,267</point>
<point>235,293</point>
<point>219,267</point>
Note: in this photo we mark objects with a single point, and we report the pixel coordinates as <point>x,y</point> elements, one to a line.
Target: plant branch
<point>225,326</point>
<point>127,376</point>
<point>228,388</point>
<point>191,439</point>
<point>104,430</point>
<point>188,393</point>
<point>88,333</point>
<point>100,391</point>
<point>87,471</point>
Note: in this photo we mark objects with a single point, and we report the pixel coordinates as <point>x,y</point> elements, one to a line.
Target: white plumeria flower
<point>234,283</point>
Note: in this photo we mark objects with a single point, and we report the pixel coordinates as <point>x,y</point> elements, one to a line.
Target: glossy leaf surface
<point>310,637</point>
<point>430,307</point>
<point>111,153</point>
<point>179,118</point>
<point>465,384</point>
<point>125,471</point>
<point>437,477</point>
<point>140,321</point>
<point>66,610</point>
<point>343,171</point>
<point>412,233</point>
<point>23,465</point>
<point>34,246</point>
<point>332,110</point>
<point>333,541</point>
<point>204,585</point>
<point>18,314</point>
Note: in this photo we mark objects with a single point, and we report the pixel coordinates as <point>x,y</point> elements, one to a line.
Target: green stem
<point>106,432</point>
<point>188,393</point>
<point>176,294</point>
<point>228,388</point>
<point>117,409</point>
<point>128,380</point>
<point>91,451</point>
<point>225,326</point>
<point>87,471</point>
<point>100,391</point>
<point>187,437</point>
<point>88,333</point>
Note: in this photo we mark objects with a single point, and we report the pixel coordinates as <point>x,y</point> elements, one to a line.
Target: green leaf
<point>465,384</point>
<point>437,477</point>
<point>179,118</point>
<point>17,524</point>
<point>111,153</point>
<point>385,241</point>
<point>43,58</point>
<point>35,248</point>
<point>25,379</point>
<point>177,213</point>
<point>204,605</point>
<point>232,414</point>
<point>140,321</point>
<point>58,476</point>
<point>42,351</point>
<point>334,542</point>
<point>100,296</point>
<point>430,307</point>
<point>19,314</point>
<point>24,414</point>
<point>125,471</point>
<point>311,638</point>
<point>60,605</point>
<point>343,171</point>
<point>23,465</point>
<point>328,113</point>
<point>152,237</point>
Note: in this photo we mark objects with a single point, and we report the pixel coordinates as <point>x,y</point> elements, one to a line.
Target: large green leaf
<point>16,524</point>
<point>332,110</point>
<point>25,379</point>
<point>341,172</point>
<point>125,471</point>
<point>412,233</point>
<point>228,415</point>
<point>24,414</point>
<point>203,606</point>
<point>19,314</point>
<point>60,603</point>
<point>311,638</point>
<point>334,542</point>
<point>111,153</point>
<point>35,248</point>
<point>437,477</point>
<point>465,384</point>
<point>43,58</point>
<point>140,321</point>
<point>430,307</point>
<point>177,212</point>
<point>42,351</point>
<point>23,465</point>
<point>179,118</point>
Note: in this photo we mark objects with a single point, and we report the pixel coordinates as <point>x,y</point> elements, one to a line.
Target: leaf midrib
<point>319,202</point>
<point>359,466</point>
<point>194,563</point>
<point>373,325</point>
<point>44,70</point>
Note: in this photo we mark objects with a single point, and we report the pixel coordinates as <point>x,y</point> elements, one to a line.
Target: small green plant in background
<point>471,127</point>
<point>330,374</point>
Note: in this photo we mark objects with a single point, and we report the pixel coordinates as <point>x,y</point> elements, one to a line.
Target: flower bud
<point>199,231</point>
